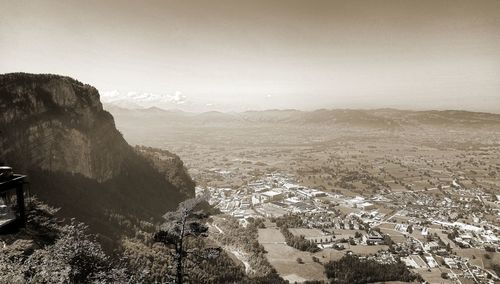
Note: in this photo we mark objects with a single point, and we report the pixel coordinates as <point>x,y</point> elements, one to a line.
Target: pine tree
<point>179,225</point>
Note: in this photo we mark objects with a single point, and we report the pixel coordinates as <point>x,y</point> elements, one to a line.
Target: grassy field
<point>478,257</point>
<point>366,250</point>
<point>284,258</point>
<point>395,235</point>
<point>271,235</point>
<point>308,233</point>
<point>434,276</point>
<point>345,233</point>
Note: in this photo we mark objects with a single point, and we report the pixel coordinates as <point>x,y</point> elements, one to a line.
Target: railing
<point>16,217</point>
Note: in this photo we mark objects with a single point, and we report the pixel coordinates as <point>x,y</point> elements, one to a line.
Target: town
<point>413,227</point>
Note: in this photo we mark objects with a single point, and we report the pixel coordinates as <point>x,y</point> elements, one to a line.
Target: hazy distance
<point>237,55</point>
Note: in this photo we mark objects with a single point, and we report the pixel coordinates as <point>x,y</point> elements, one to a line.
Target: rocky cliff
<point>55,129</point>
<point>56,123</point>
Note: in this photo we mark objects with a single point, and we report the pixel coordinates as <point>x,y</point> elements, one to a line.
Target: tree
<point>181,224</point>
<point>74,257</point>
<point>351,269</point>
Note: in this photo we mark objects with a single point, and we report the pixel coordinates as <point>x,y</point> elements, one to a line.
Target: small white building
<point>373,237</point>
<point>271,195</point>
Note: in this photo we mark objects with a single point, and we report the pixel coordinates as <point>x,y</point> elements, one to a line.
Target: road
<point>237,253</point>
<point>241,257</point>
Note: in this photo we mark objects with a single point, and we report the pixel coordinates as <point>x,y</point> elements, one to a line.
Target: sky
<point>235,55</point>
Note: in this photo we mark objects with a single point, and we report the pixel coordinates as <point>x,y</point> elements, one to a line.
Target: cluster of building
<point>273,195</point>
<point>427,228</point>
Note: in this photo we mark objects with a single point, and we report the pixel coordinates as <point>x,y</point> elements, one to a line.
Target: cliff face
<point>170,165</point>
<point>58,124</point>
<point>55,129</point>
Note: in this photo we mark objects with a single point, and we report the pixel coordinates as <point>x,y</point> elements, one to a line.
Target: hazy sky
<point>256,54</point>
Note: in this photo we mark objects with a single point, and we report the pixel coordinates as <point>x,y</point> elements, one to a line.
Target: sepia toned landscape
<point>250,141</point>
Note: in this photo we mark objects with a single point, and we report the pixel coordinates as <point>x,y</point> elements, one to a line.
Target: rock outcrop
<point>58,124</point>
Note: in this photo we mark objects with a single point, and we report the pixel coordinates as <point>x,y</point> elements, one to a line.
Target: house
<point>425,231</point>
<point>431,261</point>
<point>373,237</point>
<point>450,262</point>
<point>431,245</point>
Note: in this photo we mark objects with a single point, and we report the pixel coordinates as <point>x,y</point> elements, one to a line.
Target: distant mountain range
<point>379,118</point>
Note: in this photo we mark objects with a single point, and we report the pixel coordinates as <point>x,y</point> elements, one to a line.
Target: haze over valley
<point>387,169</point>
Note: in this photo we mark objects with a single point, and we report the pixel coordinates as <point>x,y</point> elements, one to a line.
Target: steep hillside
<point>55,129</point>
